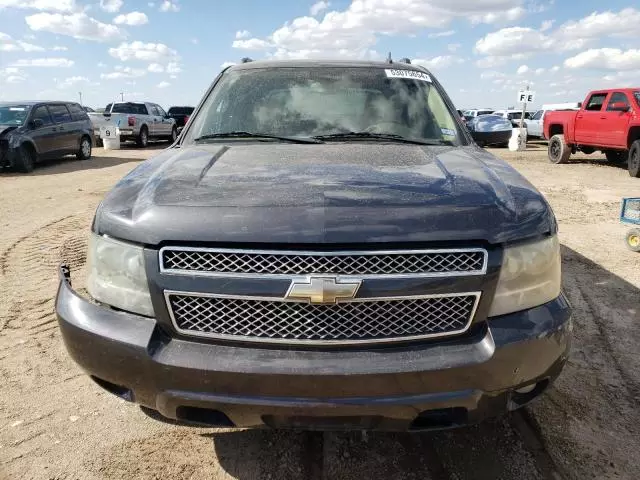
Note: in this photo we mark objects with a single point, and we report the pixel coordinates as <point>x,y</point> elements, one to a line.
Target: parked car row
<point>37,130</point>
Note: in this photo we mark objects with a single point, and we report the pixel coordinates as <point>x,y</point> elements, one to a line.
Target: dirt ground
<point>56,424</point>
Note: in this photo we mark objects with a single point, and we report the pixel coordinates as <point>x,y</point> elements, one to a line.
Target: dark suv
<point>180,115</point>
<point>324,248</point>
<point>34,131</point>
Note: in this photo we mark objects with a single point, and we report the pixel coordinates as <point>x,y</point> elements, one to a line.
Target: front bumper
<point>413,387</point>
<point>492,138</point>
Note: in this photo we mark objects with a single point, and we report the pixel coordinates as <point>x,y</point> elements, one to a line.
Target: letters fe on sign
<point>526,96</point>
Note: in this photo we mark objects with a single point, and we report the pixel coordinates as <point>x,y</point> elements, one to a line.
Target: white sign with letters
<point>413,74</point>
<point>526,96</point>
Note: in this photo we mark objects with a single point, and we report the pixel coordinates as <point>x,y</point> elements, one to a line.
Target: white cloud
<point>598,25</point>
<point>46,5</point>
<point>133,19</point>
<point>319,7</point>
<point>546,25</point>
<point>513,41</point>
<point>454,47</point>
<point>77,25</point>
<point>227,64</point>
<point>163,85</point>
<point>148,52</point>
<point>353,32</point>
<point>155,68</point>
<point>111,6</point>
<point>251,44</point>
<point>173,67</point>
<point>59,48</point>
<point>15,79</point>
<point>43,62</point>
<point>540,71</point>
<point>151,4</point>
<point>448,33</point>
<point>554,69</point>
<point>70,81</point>
<point>240,34</point>
<point>101,65</point>
<point>509,15</point>
<point>169,6</point>
<point>437,63</point>
<point>522,69</point>
<point>606,59</point>
<point>8,44</point>
<point>123,72</point>
<point>194,40</point>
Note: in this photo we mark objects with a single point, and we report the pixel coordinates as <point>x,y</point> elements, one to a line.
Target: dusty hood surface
<point>327,193</point>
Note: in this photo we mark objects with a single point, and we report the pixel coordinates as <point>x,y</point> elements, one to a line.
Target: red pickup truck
<point>608,120</point>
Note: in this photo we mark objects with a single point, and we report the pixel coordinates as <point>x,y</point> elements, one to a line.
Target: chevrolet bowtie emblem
<point>323,289</point>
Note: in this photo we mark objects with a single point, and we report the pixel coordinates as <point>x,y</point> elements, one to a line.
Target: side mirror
<point>36,123</point>
<point>619,107</point>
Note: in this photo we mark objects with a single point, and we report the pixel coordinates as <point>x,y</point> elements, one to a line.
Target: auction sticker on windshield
<point>391,73</point>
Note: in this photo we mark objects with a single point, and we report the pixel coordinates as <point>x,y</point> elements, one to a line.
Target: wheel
<point>559,151</point>
<point>633,240</point>
<point>26,159</point>
<point>84,153</point>
<point>616,156</point>
<point>634,159</point>
<point>174,135</point>
<point>143,137</point>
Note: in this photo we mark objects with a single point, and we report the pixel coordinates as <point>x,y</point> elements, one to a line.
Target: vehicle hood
<point>4,129</point>
<point>342,193</point>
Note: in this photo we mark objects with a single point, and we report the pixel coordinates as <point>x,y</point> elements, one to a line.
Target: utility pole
<point>80,94</point>
<point>122,96</point>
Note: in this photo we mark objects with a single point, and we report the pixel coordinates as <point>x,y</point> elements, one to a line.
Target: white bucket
<point>110,138</point>
<point>518,140</point>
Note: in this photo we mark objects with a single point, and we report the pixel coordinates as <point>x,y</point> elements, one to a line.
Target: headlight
<point>530,276</point>
<point>117,276</point>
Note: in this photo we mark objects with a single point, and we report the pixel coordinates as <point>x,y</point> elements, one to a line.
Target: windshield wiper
<point>241,134</point>
<point>382,136</point>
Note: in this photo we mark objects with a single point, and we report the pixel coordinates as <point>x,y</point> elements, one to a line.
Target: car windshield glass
<point>13,114</point>
<point>319,101</point>
<point>637,95</point>
<point>515,115</point>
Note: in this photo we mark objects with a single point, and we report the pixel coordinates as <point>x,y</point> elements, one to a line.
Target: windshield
<point>307,102</point>
<point>14,114</point>
<point>637,95</point>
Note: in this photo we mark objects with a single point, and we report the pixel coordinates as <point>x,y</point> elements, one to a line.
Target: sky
<point>169,51</point>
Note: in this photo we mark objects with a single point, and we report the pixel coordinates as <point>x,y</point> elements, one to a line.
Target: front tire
<point>559,151</point>
<point>84,153</point>
<point>634,159</point>
<point>26,159</point>
<point>174,135</point>
<point>633,240</point>
<point>143,138</point>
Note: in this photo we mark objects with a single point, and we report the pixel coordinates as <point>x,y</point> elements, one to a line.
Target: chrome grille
<point>297,322</point>
<point>427,262</point>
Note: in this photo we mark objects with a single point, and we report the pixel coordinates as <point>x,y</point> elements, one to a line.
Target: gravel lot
<point>56,424</point>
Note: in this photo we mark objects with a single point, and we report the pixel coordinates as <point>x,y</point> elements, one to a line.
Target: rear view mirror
<point>619,107</point>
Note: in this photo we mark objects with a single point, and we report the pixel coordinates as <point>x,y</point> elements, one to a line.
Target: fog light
<point>527,389</point>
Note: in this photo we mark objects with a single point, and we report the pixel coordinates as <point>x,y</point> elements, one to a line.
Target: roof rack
<point>246,60</point>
